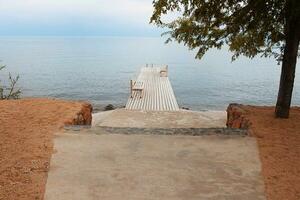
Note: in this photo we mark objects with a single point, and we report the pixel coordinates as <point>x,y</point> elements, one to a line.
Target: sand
<point>26,143</point>
<point>279,146</point>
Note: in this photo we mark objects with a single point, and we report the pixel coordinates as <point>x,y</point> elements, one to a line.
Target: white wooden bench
<point>137,86</point>
<point>164,71</point>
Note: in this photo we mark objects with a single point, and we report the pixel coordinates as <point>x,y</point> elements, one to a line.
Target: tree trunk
<point>288,68</point>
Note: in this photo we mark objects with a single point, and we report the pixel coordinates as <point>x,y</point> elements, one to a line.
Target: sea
<point>98,70</point>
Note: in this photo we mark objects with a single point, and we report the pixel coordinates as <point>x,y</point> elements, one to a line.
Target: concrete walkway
<point>89,166</point>
<point>152,119</point>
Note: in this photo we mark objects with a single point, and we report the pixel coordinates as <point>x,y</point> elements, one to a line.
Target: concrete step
<point>159,131</point>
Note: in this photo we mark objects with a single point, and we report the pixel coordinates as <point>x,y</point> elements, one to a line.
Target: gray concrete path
<point>90,166</point>
<point>152,119</point>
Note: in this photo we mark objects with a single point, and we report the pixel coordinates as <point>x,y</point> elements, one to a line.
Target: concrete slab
<point>148,167</point>
<point>156,119</point>
<point>100,117</point>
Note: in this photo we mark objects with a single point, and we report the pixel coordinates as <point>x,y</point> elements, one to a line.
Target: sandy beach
<point>26,143</point>
<point>279,148</point>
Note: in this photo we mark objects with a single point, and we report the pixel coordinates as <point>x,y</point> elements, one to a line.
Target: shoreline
<point>28,127</point>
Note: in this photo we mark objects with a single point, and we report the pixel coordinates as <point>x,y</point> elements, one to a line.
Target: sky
<point>77,17</point>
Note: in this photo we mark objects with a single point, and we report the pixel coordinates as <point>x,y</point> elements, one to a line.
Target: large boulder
<point>236,116</point>
<point>83,117</point>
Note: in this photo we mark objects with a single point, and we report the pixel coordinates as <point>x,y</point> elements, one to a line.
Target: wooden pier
<point>152,91</point>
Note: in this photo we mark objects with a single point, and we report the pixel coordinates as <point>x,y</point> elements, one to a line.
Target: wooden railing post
<point>131,86</point>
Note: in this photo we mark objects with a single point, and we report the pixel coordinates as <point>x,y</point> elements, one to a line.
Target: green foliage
<point>249,27</point>
<point>9,92</point>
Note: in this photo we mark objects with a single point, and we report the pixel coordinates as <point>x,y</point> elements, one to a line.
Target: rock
<point>185,108</point>
<point>236,117</point>
<point>83,117</point>
<point>109,107</point>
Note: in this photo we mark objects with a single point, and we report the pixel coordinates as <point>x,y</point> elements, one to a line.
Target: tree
<point>11,92</point>
<point>249,27</point>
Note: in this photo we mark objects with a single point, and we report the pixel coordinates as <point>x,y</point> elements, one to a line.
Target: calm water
<point>98,69</point>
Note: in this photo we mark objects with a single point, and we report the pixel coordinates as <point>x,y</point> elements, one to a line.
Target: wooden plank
<point>158,94</point>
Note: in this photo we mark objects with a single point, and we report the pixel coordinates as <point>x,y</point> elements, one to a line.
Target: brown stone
<point>236,117</point>
<point>83,117</point>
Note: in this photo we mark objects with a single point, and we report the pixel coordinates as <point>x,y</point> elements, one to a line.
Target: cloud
<point>87,13</point>
<point>85,8</point>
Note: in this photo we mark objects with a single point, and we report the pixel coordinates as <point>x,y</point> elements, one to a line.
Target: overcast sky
<point>77,17</point>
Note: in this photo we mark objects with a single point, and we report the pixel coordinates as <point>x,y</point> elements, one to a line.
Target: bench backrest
<point>138,85</point>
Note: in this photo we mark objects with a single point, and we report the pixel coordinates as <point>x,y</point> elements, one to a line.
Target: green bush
<point>9,92</point>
